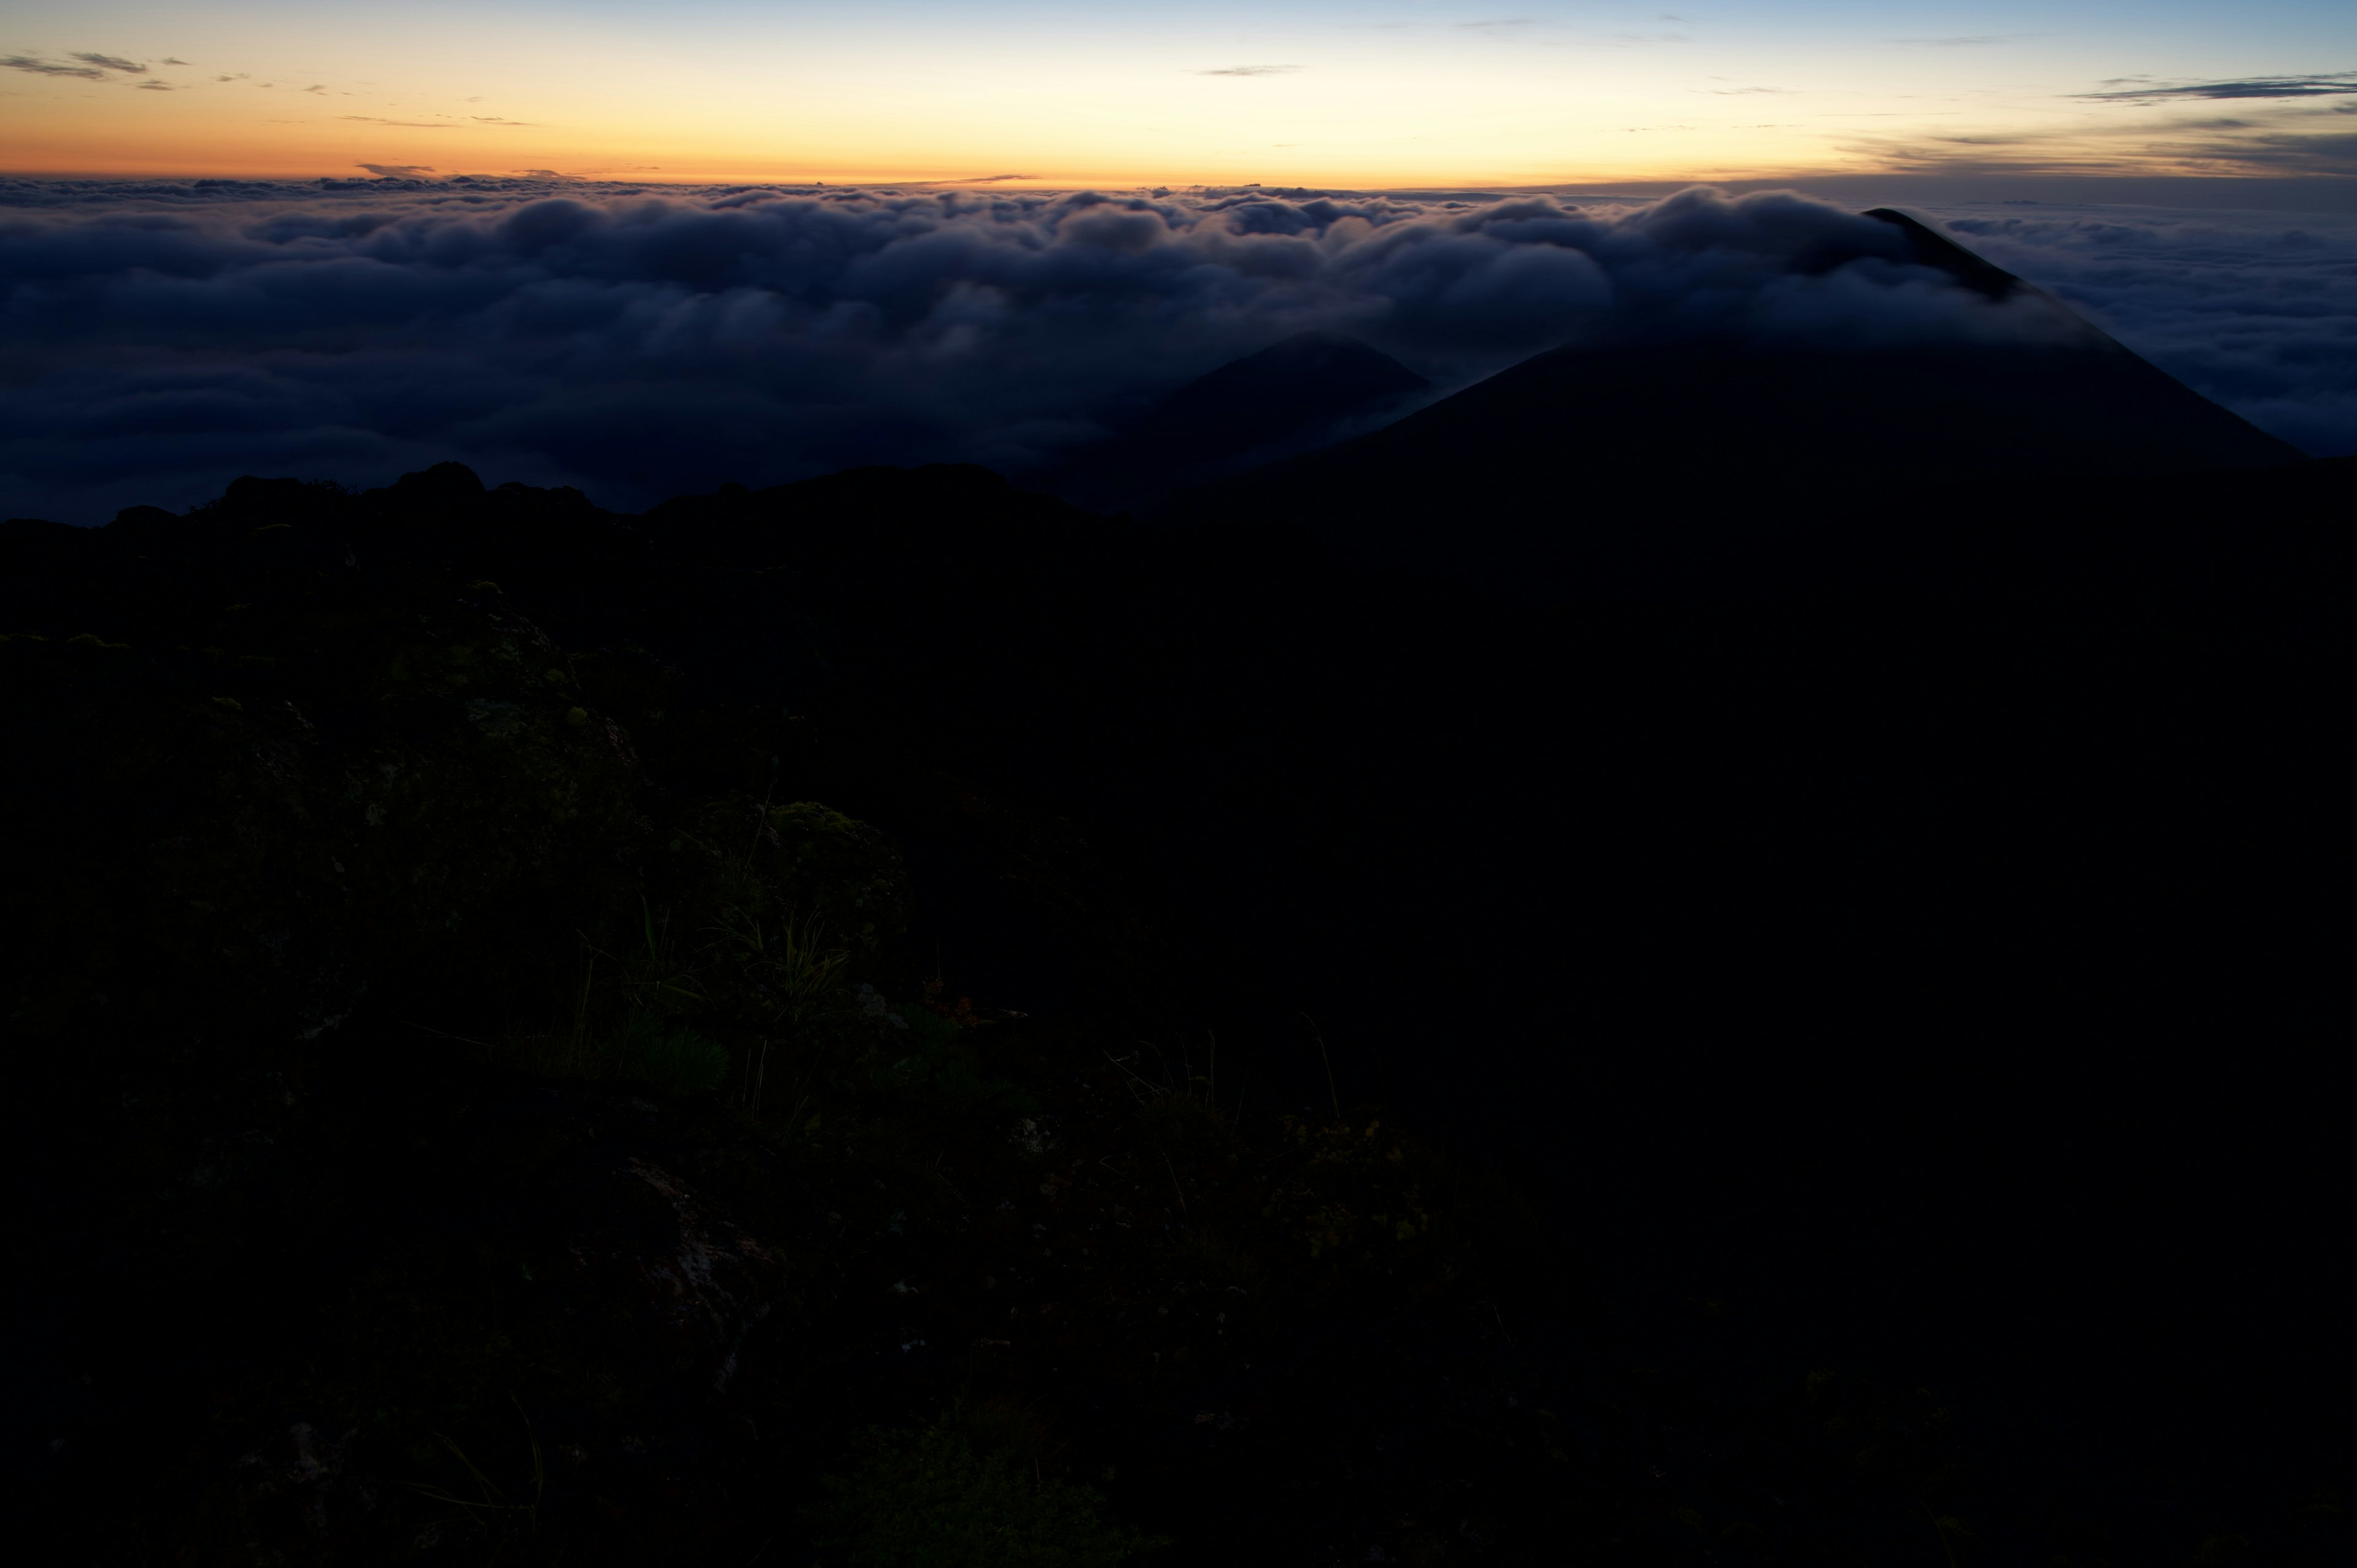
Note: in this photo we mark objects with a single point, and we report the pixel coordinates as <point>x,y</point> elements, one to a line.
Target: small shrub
<point>669,1055</point>
<point>926,1497</point>
<point>1184,1128</point>
<point>1205,1255</point>
<point>844,870</point>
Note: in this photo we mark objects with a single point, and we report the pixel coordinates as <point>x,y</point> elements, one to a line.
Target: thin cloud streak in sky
<point>2267,138</point>
<point>50,68</point>
<point>2328,84</point>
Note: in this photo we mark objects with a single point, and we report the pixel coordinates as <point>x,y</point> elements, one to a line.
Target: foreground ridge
<point>847,1022</point>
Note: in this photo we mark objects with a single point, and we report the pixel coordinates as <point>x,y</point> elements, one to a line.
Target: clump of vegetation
<point>1355,1192</point>
<point>1183,1127</point>
<point>926,1496</point>
<point>669,1057</point>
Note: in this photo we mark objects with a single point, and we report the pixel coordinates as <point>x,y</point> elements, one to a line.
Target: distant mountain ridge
<point>1580,458</point>
<point>1305,390</point>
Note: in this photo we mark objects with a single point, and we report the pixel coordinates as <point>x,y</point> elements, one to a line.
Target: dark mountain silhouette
<point>1307,390</point>
<point>1910,985</point>
<point>1715,460</point>
<point>1907,987</point>
<point>1934,249</point>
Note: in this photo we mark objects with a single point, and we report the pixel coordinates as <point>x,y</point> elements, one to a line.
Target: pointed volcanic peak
<point>1685,449</point>
<point>1931,248</point>
<point>1305,391</point>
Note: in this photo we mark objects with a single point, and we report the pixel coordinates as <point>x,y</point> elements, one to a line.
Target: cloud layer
<point>2256,310</point>
<point>640,342</point>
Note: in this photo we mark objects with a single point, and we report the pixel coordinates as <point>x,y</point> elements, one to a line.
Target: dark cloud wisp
<point>88,66</point>
<point>157,340</point>
<point>50,67</point>
<point>2327,84</point>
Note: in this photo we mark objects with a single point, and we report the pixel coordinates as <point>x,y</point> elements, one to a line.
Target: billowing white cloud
<point>641,341</point>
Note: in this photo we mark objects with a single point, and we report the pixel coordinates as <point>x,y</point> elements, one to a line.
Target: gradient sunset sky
<point>1359,92</point>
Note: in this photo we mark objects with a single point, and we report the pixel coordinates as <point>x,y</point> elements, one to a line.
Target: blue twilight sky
<point>643,249</point>
<point>1363,92</point>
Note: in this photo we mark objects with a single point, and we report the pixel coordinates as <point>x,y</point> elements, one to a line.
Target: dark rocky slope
<point>1914,982</point>
<point>1307,392</point>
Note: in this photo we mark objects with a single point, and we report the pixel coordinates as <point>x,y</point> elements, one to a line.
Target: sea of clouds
<point>158,339</point>
<point>2256,310</point>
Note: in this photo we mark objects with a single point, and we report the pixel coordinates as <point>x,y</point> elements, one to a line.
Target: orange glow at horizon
<point>1383,93</point>
<point>159,137</point>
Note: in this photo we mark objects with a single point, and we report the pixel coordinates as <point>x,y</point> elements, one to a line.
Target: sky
<point>1383,93</point>
<point>643,249</point>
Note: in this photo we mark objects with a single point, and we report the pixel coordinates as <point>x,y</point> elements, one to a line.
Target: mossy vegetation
<point>490,1096</point>
<point>915,1497</point>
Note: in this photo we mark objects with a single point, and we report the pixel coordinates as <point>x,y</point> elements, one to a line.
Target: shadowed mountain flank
<point>891,999</point>
<point>1715,453</point>
<point>1308,389</point>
